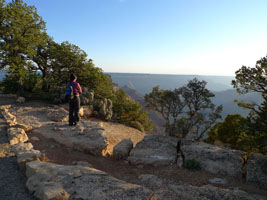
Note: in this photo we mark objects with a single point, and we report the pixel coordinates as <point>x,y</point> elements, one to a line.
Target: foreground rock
<point>16,135</point>
<point>4,150</point>
<point>206,192</point>
<point>51,181</point>
<point>257,169</point>
<point>10,119</point>
<point>154,150</point>
<point>5,106</point>
<point>215,159</point>
<point>165,189</point>
<point>25,153</point>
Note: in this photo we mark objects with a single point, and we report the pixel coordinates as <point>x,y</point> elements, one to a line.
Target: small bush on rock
<point>191,164</point>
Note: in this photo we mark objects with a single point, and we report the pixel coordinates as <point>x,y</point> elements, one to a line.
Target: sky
<point>204,37</point>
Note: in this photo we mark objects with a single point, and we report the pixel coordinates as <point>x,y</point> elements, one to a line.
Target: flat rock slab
<point>257,169</point>
<point>215,159</point>
<point>33,117</point>
<point>16,135</point>
<point>154,150</point>
<point>58,115</point>
<point>51,181</point>
<point>86,136</point>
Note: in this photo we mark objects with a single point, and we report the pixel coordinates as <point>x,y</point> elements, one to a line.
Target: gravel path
<point>12,180</point>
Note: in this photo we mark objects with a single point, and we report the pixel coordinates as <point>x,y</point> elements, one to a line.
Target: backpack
<point>69,95</point>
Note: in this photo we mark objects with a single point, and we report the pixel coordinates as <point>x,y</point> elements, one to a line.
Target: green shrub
<point>128,111</point>
<point>137,125</point>
<point>191,164</point>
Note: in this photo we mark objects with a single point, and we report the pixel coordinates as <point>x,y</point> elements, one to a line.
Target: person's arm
<point>79,88</point>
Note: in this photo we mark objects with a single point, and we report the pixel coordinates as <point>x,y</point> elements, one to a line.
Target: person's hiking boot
<point>74,123</point>
<point>71,124</point>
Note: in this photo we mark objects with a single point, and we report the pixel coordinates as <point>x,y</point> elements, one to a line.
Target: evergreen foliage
<point>129,112</point>
<point>191,164</point>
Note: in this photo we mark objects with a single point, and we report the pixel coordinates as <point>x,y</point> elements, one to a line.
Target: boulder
<point>215,159</point>
<point>154,150</point>
<point>21,147</point>
<point>10,119</point>
<point>122,149</point>
<point>58,115</point>
<point>5,107</point>
<point>257,169</point>
<point>51,181</point>
<point>81,112</point>
<point>4,150</point>
<point>25,153</point>
<point>16,135</point>
<point>94,142</point>
<point>20,100</point>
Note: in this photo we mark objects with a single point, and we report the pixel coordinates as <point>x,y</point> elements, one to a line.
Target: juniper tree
<point>21,30</point>
<point>187,110</point>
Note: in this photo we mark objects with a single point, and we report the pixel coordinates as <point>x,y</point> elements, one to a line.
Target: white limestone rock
<point>25,153</point>
<point>10,119</point>
<point>16,135</point>
<point>154,150</point>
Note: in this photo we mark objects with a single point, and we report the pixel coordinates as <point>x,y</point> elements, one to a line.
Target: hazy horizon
<point>168,74</point>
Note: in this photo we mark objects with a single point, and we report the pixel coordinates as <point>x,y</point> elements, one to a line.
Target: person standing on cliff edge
<point>73,91</point>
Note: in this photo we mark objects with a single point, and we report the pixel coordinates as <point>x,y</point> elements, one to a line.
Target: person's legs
<point>76,109</point>
<point>71,111</point>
